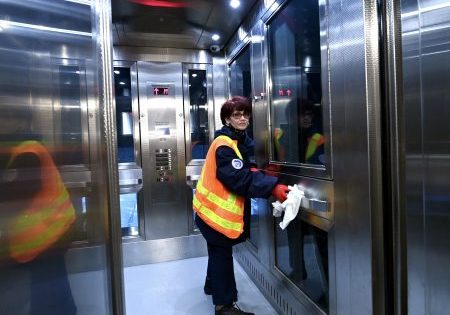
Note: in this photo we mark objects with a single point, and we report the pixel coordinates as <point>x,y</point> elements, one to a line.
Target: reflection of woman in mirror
<point>301,139</point>
<point>36,222</point>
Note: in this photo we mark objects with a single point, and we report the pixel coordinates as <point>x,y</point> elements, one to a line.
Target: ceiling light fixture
<point>215,37</point>
<point>235,3</point>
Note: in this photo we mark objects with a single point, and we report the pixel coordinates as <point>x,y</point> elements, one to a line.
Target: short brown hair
<point>236,103</point>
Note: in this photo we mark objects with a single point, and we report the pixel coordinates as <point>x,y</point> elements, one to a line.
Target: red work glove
<point>253,169</point>
<point>280,192</point>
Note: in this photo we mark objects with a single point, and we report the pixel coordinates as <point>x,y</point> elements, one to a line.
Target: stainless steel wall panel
<point>281,293</point>
<point>259,89</point>
<point>220,91</point>
<point>352,73</point>
<point>260,133</point>
<point>426,73</point>
<point>35,38</point>
<point>59,14</point>
<point>163,135</point>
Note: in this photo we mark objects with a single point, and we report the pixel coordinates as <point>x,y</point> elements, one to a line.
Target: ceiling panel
<point>189,26</point>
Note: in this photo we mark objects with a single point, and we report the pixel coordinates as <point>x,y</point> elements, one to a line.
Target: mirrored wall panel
<point>240,74</point>
<point>53,232</point>
<point>302,256</point>
<point>296,93</point>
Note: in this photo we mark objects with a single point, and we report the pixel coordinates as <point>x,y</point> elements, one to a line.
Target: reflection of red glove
<point>280,192</point>
<point>271,170</point>
<point>253,169</point>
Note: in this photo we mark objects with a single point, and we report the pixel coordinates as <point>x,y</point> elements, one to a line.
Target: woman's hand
<point>280,192</point>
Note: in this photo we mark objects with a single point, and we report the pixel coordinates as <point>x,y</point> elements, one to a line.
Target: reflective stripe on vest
<point>314,142</point>
<point>216,205</point>
<point>49,215</point>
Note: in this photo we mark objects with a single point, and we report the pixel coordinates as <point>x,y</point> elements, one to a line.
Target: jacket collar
<point>245,143</point>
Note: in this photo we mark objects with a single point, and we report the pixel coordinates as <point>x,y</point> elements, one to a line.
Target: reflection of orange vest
<point>278,133</point>
<point>213,202</point>
<point>314,143</point>
<point>49,214</point>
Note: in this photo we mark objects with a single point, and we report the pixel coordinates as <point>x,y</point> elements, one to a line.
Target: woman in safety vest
<point>222,200</point>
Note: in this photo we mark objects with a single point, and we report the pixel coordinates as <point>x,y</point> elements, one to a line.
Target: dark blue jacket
<point>240,181</point>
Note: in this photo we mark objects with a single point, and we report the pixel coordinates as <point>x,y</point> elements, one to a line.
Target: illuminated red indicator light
<point>160,91</point>
<point>284,92</point>
<point>161,4</point>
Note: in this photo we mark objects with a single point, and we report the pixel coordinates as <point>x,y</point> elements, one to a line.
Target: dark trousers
<point>221,274</point>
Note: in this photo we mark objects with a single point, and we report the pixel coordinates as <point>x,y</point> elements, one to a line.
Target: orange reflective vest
<point>221,209</point>
<point>49,214</point>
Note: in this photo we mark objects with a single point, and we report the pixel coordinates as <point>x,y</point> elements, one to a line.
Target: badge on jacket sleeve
<point>237,164</point>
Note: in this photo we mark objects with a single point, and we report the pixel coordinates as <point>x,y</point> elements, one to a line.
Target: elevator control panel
<point>163,165</point>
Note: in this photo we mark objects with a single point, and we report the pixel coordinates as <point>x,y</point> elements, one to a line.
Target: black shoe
<point>232,310</point>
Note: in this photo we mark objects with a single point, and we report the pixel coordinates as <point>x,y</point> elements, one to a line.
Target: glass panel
<point>302,255</point>
<point>48,83</point>
<point>240,75</point>
<point>124,115</point>
<point>198,100</point>
<point>296,92</point>
<point>129,214</point>
<point>241,80</point>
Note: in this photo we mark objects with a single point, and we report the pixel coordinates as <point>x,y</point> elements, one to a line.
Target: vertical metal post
<point>394,114</point>
<point>108,152</point>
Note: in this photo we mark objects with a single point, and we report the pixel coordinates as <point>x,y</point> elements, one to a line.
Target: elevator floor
<point>176,288</point>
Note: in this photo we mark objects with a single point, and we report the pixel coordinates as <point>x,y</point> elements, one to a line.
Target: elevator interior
<point>279,55</point>
<point>175,85</point>
<point>179,93</point>
<point>370,75</point>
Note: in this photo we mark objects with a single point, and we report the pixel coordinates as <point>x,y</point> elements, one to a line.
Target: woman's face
<point>238,120</point>
<point>306,119</point>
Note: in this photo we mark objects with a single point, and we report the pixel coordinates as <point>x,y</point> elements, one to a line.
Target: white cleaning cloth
<point>290,206</point>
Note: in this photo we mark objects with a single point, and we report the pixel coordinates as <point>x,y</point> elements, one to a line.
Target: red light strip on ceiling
<point>161,4</point>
